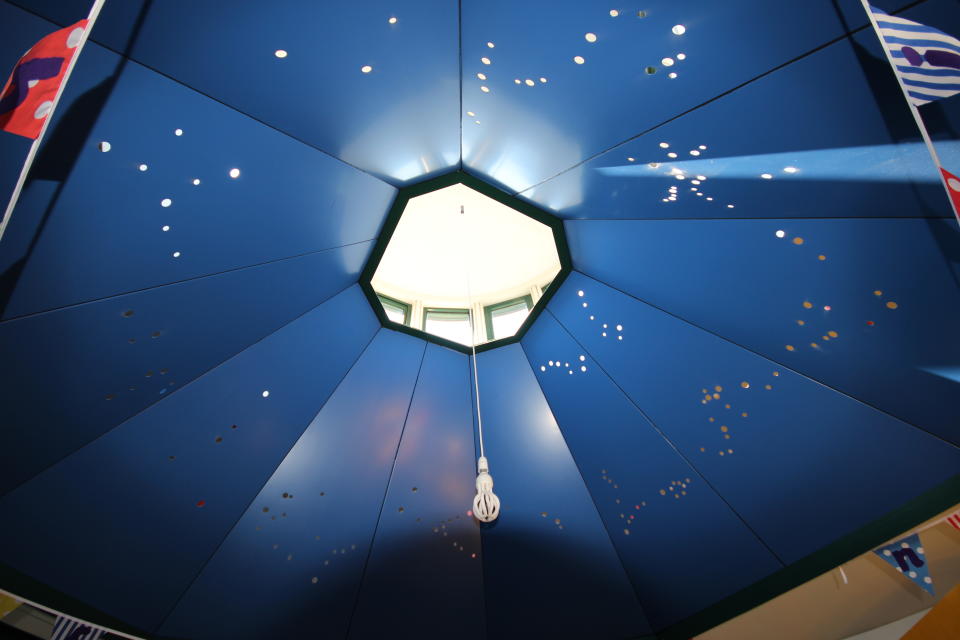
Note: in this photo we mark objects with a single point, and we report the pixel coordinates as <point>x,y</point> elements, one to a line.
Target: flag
<point>953,190</point>
<point>954,518</point>
<point>27,98</point>
<point>69,629</point>
<point>926,59</point>
<point>906,556</point>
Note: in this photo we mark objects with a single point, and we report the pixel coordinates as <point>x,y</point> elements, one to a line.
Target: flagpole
<point>913,107</point>
<point>31,156</point>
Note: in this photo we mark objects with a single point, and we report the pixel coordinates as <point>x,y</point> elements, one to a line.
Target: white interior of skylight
<point>439,258</point>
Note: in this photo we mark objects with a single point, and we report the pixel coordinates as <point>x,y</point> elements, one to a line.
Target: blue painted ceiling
<point>208,434</point>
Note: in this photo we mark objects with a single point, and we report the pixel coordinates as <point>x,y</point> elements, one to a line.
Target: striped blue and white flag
<point>69,629</point>
<point>926,59</point>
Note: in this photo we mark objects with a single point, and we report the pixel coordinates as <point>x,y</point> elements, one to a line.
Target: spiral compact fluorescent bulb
<point>486,505</point>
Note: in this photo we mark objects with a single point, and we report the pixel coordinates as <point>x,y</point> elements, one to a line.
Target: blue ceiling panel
<point>399,121</point>
<point>97,226</point>
<point>738,279</point>
<point>528,132</point>
<point>803,464</point>
<point>549,531</point>
<point>149,501</point>
<point>652,500</point>
<point>155,342</point>
<point>424,575</point>
<point>302,544</point>
<point>207,434</point>
<point>861,156</point>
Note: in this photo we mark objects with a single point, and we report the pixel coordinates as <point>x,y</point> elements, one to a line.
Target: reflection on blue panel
<point>792,155</point>
<point>424,576</point>
<point>398,121</point>
<point>548,532</point>
<point>300,548</point>
<point>158,493</point>
<point>652,501</point>
<point>882,286</point>
<point>802,464</point>
<point>83,370</point>
<point>529,131</point>
<point>160,207</point>
<point>907,162</point>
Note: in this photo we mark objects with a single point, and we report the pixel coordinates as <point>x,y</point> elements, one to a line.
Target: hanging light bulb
<point>486,504</point>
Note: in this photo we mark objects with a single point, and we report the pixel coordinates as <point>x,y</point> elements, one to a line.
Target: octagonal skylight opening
<point>464,267</point>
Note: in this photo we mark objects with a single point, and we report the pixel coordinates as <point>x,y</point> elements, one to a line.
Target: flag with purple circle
<point>907,557</point>
<point>29,94</point>
<point>926,59</point>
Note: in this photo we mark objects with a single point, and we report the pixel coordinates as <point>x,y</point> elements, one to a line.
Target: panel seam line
<point>265,483</point>
<point>386,492</point>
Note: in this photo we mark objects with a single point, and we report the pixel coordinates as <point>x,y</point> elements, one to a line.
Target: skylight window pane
<point>394,313</point>
<point>452,324</point>
<point>506,320</point>
<point>397,311</point>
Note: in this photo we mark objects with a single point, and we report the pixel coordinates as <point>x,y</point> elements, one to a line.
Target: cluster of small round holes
<point>829,334</point>
<point>564,366</point>
<point>711,395</point>
<point>605,326</point>
<point>695,180</point>
<point>676,488</point>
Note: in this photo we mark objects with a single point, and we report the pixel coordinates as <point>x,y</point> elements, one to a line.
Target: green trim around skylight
<point>460,177</point>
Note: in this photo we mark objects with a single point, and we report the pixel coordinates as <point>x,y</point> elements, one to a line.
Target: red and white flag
<point>954,520</point>
<point>953,190</point>
<point>27,98</point>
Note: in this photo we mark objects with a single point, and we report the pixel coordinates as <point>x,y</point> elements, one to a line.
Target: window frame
<point>489,310</point>
<point>405,306</point>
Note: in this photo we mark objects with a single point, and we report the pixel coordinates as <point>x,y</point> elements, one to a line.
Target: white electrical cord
<point>486,504</point>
